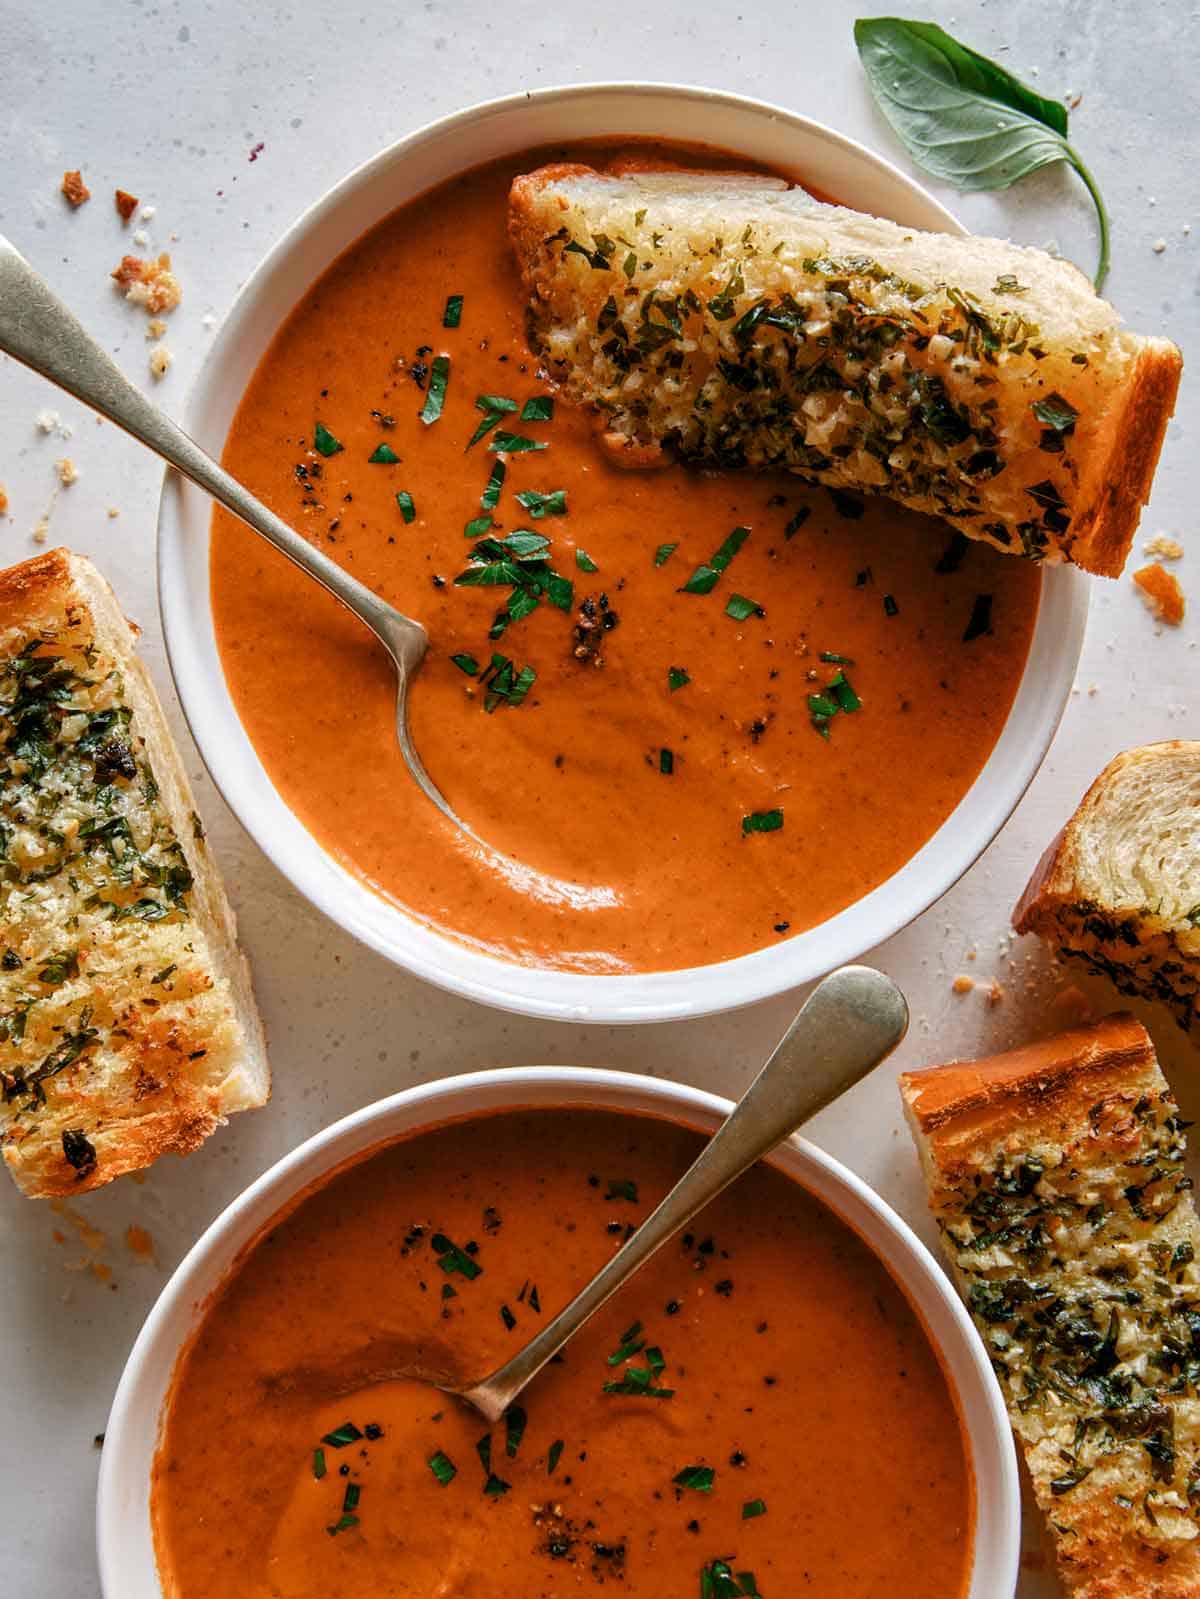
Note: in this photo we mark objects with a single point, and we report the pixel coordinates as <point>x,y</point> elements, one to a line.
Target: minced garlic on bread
<point>127,1021</point>
<point>1055,1175</point>
<point>729,320</point>
<point>1119,888</point>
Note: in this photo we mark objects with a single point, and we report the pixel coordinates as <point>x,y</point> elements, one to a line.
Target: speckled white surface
<point>170,101</point>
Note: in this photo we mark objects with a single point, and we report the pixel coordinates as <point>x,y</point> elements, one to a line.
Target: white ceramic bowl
<point>762,133</point>
<point>127,1565</point>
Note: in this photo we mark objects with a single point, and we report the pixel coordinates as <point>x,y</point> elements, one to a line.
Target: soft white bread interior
<point>1119,888</point>
<point>1056,1177</point>
<point>731,320</point>
<point>127,1020</point>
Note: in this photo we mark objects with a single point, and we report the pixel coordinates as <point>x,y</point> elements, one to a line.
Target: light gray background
<point>168,101</point>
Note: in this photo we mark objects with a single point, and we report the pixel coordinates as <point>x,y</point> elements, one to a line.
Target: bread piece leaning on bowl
<point>729,320</point>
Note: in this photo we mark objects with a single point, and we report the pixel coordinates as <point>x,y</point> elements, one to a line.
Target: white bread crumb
<point>68,472</point>
<point>160,361</point>
<point>1165,547</point>
<point>155,328</point>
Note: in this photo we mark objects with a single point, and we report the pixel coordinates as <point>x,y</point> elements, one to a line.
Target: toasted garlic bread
<point>1055,1174</point>
<point>127,1021</point>
<point>730,320</point>
<point>1119,888</point>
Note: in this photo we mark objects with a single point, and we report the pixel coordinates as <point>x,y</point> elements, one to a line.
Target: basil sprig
<point>962,117</point>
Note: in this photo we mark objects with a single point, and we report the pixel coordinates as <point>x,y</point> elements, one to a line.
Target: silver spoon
<point>38,330</point>
<point>848,1024</point>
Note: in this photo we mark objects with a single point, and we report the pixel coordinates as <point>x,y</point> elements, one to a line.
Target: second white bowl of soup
<point>674,835</point>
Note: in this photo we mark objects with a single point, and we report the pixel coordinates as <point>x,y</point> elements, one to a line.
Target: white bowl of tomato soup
<point>791,1388</point>
<point>676,838</point>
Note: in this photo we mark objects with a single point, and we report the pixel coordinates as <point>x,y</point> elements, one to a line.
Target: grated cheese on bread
<point>1119,888</point>
<point>1055,1174</point>
<point>127,1021</point>
<point>730,320</point>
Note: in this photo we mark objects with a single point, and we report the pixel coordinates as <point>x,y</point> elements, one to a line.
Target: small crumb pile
<point>154,286</point>
<point>1162,592</point>
<point>1163,548</point>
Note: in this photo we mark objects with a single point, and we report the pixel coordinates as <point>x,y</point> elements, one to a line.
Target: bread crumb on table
<point>1162,592</point>
<point>160,361</point>
<point>150,284</point>
<point>68,472</point>
<point>113,513</point>
<point>3,500</point>
<point>155,328</point>
<point>74,189</point>
<point>995,993</point>
<point>126,203</point>
<point>1164,547</point>
<point>962,984</point>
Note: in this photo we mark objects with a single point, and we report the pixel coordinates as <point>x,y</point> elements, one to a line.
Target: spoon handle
<point>849,1024</point>
<point>38,330</point>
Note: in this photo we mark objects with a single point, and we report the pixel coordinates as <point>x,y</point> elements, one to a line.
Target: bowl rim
<point>981,1409</point>
<point>401,936</point>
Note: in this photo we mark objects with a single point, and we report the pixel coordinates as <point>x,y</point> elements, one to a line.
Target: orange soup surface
<point>758,1412</point>
<point>659,781</point>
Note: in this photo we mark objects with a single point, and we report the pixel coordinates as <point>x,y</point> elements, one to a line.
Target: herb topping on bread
<point>730,320</point>
<point>1119,888</point>
<point>1056,1177</point>
<point>127,1022</point>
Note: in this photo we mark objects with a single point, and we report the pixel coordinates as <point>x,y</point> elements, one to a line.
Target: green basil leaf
<point>584,562</point>
<point>452,315</point>
<point>762,822</point>
<point>382,455</point>
<point>407,509</point>
<point>514,443</point>
<point>491,493</point>
<point>538,408</point>
<point>962,117</point>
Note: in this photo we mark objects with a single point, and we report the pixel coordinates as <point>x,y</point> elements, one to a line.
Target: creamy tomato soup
<point>757,1412</point>
<point>718,707</point>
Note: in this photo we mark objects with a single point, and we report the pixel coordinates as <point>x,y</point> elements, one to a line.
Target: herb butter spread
<point>117,1025</point>
<point>1057,1181</point>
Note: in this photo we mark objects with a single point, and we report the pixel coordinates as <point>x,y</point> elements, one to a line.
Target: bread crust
<point>1055,1175</point>
<point>151,995</point>
<point>1100,469</point>
<point>1146,949</point>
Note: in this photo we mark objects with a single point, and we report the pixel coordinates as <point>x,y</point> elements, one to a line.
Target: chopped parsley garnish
<point>407,509</point>
<point>484,1450</point>
<point>639,1382</point>
<point>832,658</point>
<point>342,1436</point>
<point>554,1455</point>
<point>1056,413</point>
<point>443,1467</point>
<point>507,1317</point>
<point>496,1485</point>
<point>700,1478</point>
<point>493,406</point>
<point>466,663</point>
<point>515,1421</point>
<point>752,1508</point>
<point>839,695</point>
<point>844,693</point>
<point>631,1344</point>
<point>796,522</point>
<point>622,1188</point>
<point>953,555</point>
<point>538,505</point>
<point>740,608</point>
<point>351,1497</point>
<point>435,397</point>
<point>717,1581</point>
<point>981,618</point>
<point>478,527</point>
<point>324,442</point>
<point>666,762</point>
<point>453,1259</point>
<point>383,455</point>
<point>452,315</point>
<point>514,443</point>
<point>342,1524</point>
<point>319,1467</point>
<point>505,685</point>
<point>762,822</point>
<point>663,553</point>
<point>491,493</point>
<point>677,678</point>
<point>538,408</point>
<point>584,562</point>
<point>704,579</point>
